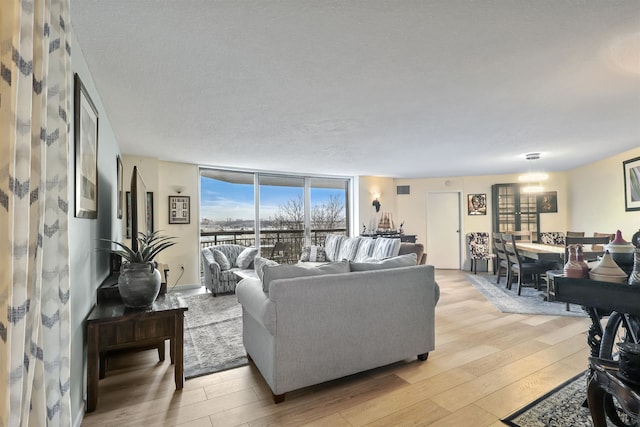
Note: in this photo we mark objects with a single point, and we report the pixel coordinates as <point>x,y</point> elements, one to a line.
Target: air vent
<point>403,189</point>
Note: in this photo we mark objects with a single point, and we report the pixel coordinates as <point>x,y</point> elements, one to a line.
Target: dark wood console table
<point>112,326</point>
<point>605,380</point>
<point>598,299</point>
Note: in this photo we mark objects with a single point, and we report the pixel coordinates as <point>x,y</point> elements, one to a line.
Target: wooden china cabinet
<point>514,210</point>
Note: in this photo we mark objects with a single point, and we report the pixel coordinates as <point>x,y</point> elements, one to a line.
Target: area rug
<point>212,335</point>
<point>561,407</point>
<point>531,301</point>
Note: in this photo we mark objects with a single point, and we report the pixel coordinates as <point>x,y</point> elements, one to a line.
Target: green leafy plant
<point>149,245</point>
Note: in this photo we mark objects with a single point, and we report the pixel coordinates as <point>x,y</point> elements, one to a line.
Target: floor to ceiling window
<point>278,213</point>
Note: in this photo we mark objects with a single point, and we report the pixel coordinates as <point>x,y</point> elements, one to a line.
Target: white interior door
<point>443,229</point>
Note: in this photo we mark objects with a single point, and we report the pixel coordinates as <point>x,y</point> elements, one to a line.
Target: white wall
<point>88,267</point>
<point>161,178</point>
<point>596,201</point>
<point>415,208</point>
<point>412,209</point>
<point>367,187</point>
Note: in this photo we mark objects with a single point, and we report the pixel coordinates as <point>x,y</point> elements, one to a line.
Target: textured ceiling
<point>377,87</point>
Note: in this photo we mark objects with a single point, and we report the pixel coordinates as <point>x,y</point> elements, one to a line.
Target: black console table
<point>598,299</point>
<point>605,380</point>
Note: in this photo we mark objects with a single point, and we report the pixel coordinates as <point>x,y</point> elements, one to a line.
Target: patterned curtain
<point>35,90</point>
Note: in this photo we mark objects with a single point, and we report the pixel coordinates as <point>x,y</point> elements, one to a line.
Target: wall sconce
<point>376,202</point>
<point>178,188</point>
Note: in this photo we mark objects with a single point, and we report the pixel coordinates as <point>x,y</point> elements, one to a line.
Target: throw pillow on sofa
<point>259,263</point>
<point>398,261</point>
<point>365,249</point>
<point>245,258</point>
<point>385,247</point>
<point>349,248</point>
<point>332,245</point>
<point>313,254</point>
<point>289,271</point>
<point>221,259</point>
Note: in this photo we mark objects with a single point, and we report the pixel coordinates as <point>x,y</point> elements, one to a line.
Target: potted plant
<point>139,281</point>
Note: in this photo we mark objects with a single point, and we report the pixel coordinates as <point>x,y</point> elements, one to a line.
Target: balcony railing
<point>283,245</point>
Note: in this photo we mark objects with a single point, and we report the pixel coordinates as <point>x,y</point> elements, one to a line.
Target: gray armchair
<point>221,278</point>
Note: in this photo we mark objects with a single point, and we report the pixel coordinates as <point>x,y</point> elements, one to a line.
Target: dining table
<point>541,252</point>
<point>550,253</point>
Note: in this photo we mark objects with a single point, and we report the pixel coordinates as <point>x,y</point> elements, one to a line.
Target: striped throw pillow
<point>385,248</point>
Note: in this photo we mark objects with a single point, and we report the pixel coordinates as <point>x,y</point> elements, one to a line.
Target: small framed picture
<point>547,202</point>
<point>632,184</point>
<point>179,210</point>
<point>476,204</point>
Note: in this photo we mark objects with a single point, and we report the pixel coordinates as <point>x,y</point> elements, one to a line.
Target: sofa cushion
<point>313,254</point>
<point>245,258</point>
<point>259,264</point>
<point>289,271</point>
<point>365,249</point>
<point>221,259</point>
<point>385,247</point>
<point>394,262</point>
<point>332,245</point>
<point>349,248</point>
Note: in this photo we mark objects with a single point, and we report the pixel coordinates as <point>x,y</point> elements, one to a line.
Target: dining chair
<point>501,262</point>
<point>521,236</point>
<point>555,238</point>
<point>520,267</point>
<point>575,233</point>
<point>610,236</point>
<point>478,244</point>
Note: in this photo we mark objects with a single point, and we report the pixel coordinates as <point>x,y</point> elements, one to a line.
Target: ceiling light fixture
<point>533,178</point>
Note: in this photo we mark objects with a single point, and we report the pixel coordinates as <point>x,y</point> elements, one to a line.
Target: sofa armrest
<point>256,303</point>
<point>210,264</point>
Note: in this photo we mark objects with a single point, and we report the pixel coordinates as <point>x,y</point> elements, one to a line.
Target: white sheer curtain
<point>35,109</point>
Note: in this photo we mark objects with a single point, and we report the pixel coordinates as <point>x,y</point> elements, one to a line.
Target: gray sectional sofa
<point>338,247</point>
<point>301,331</point>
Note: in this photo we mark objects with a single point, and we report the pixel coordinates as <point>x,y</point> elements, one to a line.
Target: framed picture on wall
<point>179,209</point>
<point>476,204</point>
<point>547,202</point>
<point>632,184</point>
<point>149,213</point>
<point>85,129</point>
<point>119,173</point>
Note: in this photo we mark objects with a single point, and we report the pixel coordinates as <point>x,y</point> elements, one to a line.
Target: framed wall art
<point>119,174</point>
<point>476,204</point>
<point>85,129</point>
<point>632,184</point>
<point>149,213</point>
<point>179,209</point>
<point>547,202</point>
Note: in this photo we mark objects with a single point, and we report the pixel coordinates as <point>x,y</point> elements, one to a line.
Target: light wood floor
<point>486,365</point>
